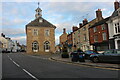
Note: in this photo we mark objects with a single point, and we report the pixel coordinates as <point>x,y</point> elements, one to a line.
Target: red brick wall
<point>99,33</point>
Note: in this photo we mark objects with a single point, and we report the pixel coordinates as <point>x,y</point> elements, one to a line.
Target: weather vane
<point>38,4</point>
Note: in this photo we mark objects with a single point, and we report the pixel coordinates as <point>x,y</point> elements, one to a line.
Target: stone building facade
<point>63,37</point>
<point>40,35</point>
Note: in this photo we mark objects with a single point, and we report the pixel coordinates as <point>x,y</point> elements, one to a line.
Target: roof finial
<point>38,4</point>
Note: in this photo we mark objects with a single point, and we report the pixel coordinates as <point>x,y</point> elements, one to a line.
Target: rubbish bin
<point>75,56</point>
<point>81,56</point>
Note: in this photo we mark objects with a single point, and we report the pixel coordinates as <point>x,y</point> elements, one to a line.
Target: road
<point>17,65</point>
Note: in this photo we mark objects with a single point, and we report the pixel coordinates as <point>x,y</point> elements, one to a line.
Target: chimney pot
<point>64,30</point>
<point>80,25</point>
<point>74,28</point>
<point>116,5</point>
<point>99,14</point>
<point>85,21</point>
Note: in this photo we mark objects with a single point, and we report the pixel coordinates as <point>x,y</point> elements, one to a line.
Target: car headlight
<point>83,54</point>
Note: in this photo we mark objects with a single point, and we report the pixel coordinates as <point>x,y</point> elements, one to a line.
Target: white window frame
<point>103,27</point>
<point>95,38</point>
<point>47,32</point>
<point>35,32</point>
<point>95,29</point>
<point>104,35</point>
<point>117,28</point>
<point>35,46</point>
<point>84,28</point>
<point>85,37</point>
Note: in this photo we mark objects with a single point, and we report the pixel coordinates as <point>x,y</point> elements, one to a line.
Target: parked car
<point>78,56</point>
<point>88,53</point>
<point>112,55</point>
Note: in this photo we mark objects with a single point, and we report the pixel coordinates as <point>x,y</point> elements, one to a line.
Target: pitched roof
<point>44,23</point>
<point>100,22</point>
<point>115,13</point>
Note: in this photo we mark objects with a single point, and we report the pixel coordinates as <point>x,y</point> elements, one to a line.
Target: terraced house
<point>114,27</point>
<point>82,34</point>
<point>40,35</point>
<point>99,35</point>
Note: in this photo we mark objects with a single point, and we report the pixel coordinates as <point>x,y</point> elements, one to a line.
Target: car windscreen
<point>89,52</point>
<point>118,51</point>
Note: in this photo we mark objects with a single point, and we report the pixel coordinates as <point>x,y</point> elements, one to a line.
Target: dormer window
<point>40,20</point>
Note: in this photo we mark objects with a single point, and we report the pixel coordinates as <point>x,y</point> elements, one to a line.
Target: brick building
<point>99,36</point>
<point>40,35</point>
<point>71,39</point>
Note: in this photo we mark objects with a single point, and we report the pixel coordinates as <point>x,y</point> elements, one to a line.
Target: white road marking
<point>16,63</point>
<point>23,69</point>
<point>10,59</point>
<point>30,74</point>
<point>8,56</point>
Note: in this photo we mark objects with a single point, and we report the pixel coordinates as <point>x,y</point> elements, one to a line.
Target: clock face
<point>40,20</point>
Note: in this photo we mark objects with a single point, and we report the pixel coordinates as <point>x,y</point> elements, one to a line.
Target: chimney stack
<point>2,35</point>
<point>99,14</point>
<point>85,21</point>
<point>80,25</point>
<point>74,28</point>
<point>64,30</point>
<point>116,5</point>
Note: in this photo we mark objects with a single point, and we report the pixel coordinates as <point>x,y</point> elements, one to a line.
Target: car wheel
<point>95,60</point>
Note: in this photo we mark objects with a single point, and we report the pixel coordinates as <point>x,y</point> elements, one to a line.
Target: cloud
<point>14,22</point>
<point>13,31</point>
<point>61,14</point>
<point>20,39</point>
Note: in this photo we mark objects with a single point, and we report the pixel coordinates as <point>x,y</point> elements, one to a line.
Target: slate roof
<point>36,23</point>
<point>115,13</point>
<point>100,22</point>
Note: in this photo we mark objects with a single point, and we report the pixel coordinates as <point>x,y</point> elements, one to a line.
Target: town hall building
<point>40,35</point>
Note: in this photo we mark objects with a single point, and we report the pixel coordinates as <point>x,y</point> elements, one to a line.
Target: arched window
<point>35,46</point>
<point>46,46</point>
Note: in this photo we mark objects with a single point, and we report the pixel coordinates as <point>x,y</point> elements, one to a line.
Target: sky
<point>63,14</point>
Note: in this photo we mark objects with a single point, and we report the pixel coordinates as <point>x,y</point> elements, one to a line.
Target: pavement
<point>87,62</point>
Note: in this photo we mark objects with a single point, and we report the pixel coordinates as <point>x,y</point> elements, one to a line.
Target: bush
<point>65,55</point>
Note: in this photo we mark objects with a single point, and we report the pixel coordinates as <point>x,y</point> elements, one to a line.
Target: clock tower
<point>38,12</point>
<point>40,35</point>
